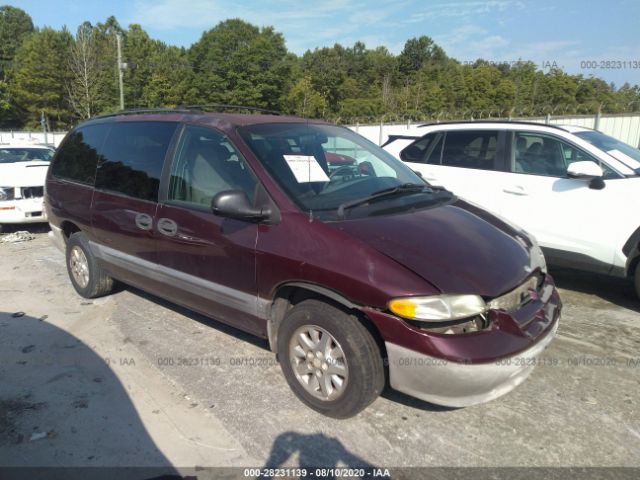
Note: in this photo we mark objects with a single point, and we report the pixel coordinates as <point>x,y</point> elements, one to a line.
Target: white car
<point>23,168</point>
<point>575,189</point>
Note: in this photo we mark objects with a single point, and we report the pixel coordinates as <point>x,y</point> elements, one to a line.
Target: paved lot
<point>131,380</point>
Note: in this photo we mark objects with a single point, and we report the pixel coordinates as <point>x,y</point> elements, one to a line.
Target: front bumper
<point>28,210</point>
<point>466,369</point>
<point>458,384</point>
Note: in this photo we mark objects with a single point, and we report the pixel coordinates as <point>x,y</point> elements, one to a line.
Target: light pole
<point>121,67</point>
<point>43,122</point>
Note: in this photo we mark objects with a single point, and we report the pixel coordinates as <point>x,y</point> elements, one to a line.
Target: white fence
<point>52,138</point>
<point>624,127</point>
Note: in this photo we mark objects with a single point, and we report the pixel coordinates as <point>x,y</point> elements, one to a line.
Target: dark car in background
<point>353,272</point>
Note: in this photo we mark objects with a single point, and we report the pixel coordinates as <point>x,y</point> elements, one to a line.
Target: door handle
<point>515,190</point>
<point>144,221</point>
<point>168,227</point>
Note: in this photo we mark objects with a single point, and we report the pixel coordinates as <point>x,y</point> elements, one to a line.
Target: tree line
<point>64,78</point>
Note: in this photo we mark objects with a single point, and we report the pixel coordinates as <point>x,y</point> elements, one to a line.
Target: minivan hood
<point>23,174</point>
<point>458,248</point>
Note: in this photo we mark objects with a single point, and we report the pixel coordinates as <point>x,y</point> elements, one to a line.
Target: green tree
<point>557,88</point>
<point>327,68</point>
<point>505,96</point>
<point>15,26</point>
<point>596,93</point>
<point>7,113</point>
<point>170,79</point>
<point>239,63</point>
<point>361,109</point>
<point>39,78</point>
<point>417,52</point>
<point>139,53</point>
<point>628,97</point>
<point>303,100</point>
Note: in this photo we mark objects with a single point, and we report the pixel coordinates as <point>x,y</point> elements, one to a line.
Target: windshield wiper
<point>404,188</point>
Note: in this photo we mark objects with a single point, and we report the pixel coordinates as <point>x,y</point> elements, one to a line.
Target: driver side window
<point>206,164</point>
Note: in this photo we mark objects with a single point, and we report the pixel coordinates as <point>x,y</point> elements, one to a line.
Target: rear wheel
<point>87,277</point>
<point>330,360</point>
<point>636,279</point>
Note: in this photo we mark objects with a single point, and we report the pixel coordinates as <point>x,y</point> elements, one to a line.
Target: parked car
<point>573,188</point>
<point>239,218</point>
<point>23,168</point>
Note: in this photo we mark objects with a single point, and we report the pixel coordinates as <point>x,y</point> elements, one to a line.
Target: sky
<point>599,38</point>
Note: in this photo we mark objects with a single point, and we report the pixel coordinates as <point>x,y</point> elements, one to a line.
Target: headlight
<point>438,308</point>
<point>7,193</point>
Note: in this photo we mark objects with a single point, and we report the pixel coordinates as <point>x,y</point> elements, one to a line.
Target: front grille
<point>32,192</point>
<point>519,296</point>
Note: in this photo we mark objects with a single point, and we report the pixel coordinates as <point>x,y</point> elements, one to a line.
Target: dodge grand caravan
<point>354,275</point>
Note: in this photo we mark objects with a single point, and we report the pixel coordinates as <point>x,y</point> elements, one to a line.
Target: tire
<point>636,279</point>
<point>89,280</point>
<point>355,371</point>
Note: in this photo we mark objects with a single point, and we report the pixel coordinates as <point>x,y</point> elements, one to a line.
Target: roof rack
<point>517,122</point>
<point>138,111</point>
<point>225,106</point>
<point>186,109</point>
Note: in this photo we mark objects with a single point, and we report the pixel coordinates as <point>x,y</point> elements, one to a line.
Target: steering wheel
<point>337,172</point>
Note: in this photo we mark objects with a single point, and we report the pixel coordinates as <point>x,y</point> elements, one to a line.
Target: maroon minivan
<point>356,275</point>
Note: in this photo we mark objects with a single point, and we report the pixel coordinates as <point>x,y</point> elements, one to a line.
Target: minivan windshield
<point>333,173</point>
<point>27,154</point>
<point>621,151</point>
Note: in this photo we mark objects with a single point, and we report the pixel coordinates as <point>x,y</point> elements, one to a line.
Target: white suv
<point>575,189</point>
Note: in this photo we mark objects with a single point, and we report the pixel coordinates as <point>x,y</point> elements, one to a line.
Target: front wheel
<point>330,360</point>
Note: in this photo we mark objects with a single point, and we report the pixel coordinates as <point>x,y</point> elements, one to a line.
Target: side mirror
<point>585,170</point>
<point>235,204</point>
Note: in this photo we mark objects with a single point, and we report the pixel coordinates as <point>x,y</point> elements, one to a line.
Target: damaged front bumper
<point>452,384</point>
<point>460,370</point>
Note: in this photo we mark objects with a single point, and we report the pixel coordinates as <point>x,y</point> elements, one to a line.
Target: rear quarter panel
<point>69,201</point>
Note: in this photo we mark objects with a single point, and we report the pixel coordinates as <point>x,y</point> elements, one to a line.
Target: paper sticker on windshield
<point>306,168</point>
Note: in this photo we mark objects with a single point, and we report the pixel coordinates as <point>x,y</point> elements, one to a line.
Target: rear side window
<point>470,149</point>
<point>426,150</point>
<point>78,156</point>
<point>133,156</point>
